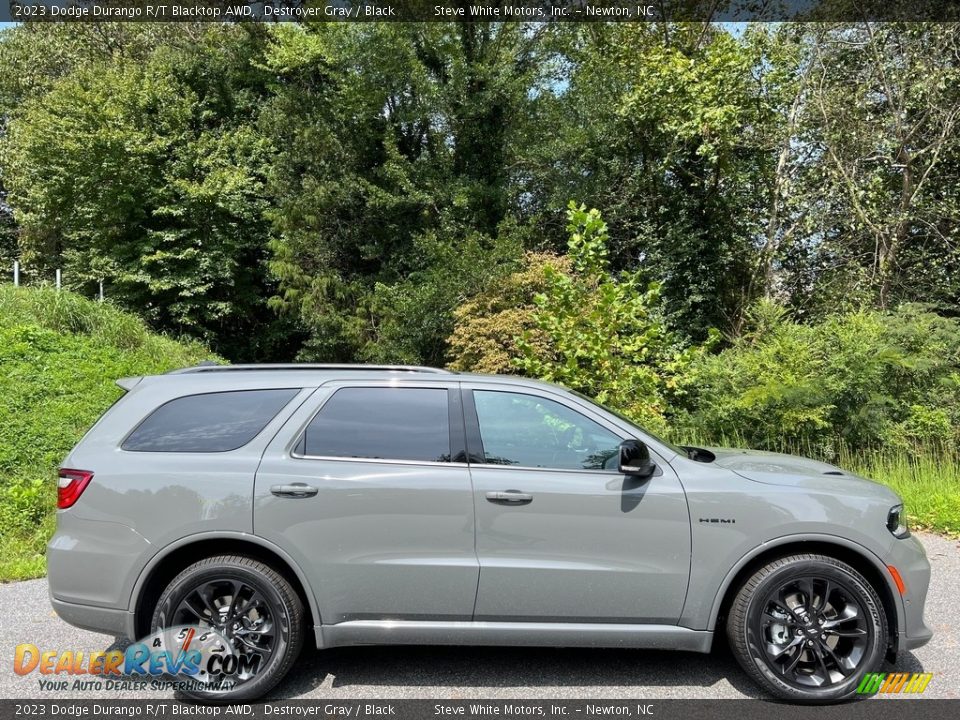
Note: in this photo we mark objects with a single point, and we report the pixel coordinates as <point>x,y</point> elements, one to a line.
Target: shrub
<point>864,380</point>
<point>59,356</point>
<point>24,503</point>
<point>602,335</point>
<point>488,326</point>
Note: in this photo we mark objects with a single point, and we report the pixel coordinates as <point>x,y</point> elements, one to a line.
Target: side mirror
<point>635,459</point>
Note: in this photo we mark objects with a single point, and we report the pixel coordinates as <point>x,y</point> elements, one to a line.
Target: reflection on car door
<point>561,535</point>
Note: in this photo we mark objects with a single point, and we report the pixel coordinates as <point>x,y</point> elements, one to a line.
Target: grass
<point>59,357</point>
<point>927,480</point>
<point>22,552</point>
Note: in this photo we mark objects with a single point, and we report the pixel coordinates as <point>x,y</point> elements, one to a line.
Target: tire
<point>816,662</point>
<point>272,615</point>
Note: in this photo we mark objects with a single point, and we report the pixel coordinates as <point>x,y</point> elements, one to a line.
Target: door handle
<point>510,497</point>
<point>296,490</point>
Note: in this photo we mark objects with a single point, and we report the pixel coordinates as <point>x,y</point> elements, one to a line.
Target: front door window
<point>532,431</point>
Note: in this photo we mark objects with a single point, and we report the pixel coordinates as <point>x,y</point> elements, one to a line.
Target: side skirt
<point>419,632</point>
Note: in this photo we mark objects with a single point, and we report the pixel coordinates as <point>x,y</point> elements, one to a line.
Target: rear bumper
<point>91,566</point>
<point>118,623</point>
<point>94,562</point>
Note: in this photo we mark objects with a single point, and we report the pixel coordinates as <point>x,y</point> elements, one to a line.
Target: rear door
<point>367,488</point>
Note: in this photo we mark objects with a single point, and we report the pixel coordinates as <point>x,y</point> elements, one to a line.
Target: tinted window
<point>382,423</point>
<point>532,431</point>
<point>211,422</point>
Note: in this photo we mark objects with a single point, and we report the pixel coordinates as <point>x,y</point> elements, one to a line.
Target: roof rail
<point>206,367</point>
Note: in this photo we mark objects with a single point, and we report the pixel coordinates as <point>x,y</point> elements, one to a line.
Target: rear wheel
<point>807,628</point>
<point>248,623</point>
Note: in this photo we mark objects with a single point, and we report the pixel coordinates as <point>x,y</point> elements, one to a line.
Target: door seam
<point>473,498</point>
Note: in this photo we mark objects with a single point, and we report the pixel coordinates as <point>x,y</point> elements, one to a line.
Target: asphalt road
<point>503,673</point>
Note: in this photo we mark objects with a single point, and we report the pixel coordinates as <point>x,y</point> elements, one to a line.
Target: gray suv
<point>351,505</point>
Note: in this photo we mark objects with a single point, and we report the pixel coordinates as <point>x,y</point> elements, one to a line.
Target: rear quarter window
<point>208,422</point>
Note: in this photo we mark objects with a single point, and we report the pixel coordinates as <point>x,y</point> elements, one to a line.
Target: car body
<point>417,506</point>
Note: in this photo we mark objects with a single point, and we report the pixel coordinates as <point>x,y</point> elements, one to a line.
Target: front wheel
<point>242,619</point>
<point>807,628</point>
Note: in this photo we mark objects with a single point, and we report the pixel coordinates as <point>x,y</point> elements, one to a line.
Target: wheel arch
<point>165,565</point>
<point>858,557</point>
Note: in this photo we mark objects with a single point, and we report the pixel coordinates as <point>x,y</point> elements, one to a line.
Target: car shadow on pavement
<point>485,668</point>
<point>413,670</point>
<point>318,672</point>
<point>906,662</point>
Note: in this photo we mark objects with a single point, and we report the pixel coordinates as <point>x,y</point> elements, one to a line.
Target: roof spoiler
<point>128,383</point>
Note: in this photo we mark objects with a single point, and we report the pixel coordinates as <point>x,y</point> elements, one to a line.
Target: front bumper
<point>910,560</point>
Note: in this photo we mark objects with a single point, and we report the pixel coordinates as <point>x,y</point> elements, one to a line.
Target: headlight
<point>897,522</point>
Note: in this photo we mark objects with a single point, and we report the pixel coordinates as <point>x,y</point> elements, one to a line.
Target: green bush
<point>59,356</point>
<point>862,380</point>
<point>488,326</point>
<point>604,335</point>
<point>24,503</point>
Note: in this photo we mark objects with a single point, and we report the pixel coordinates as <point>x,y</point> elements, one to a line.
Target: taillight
<point>71,485</point>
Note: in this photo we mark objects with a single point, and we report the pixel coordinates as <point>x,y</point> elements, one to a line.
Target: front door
<point>561,535</point>
<point>365,490</point>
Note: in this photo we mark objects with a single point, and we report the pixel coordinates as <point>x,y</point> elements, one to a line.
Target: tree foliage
<point>336,191</point>
<point>867,379</point>
<point>884,116</point>
<point>395,146</point>
<point>490,325</point>
<point>150,176</point>
<point>603,335</point>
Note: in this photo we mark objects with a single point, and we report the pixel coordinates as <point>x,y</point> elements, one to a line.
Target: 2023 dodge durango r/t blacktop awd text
<point>366,505</point>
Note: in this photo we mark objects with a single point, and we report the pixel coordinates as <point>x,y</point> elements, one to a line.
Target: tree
<point>602,335</point>
<point>364,180</point>
<point>393,139</point>
<point>490,325</point>
<point>668,130</point>
<point>34,56</point>
<point>885,111</point>
<point>149,176</point>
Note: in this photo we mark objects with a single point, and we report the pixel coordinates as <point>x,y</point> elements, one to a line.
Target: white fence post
<point>16,273</point>
<point>58,278</point>
<point>101,291</point>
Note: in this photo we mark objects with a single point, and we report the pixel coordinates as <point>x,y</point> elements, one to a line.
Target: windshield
<point>676,448</point>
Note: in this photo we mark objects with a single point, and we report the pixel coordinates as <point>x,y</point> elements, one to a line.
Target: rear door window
<point>381,423</point>
<point>209,422</point>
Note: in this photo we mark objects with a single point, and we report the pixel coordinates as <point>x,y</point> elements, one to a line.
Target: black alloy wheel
<point>807,628</point>
<point>813,631</point>
<point>238,611</point>
<point>253,608</point>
